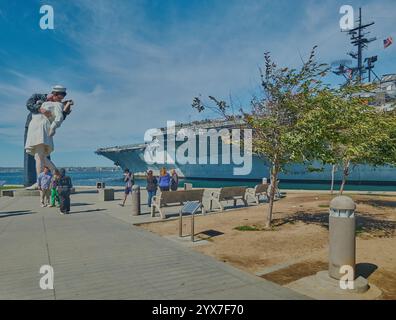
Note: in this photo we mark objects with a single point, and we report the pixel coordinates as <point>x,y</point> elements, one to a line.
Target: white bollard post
<point>342,246</point>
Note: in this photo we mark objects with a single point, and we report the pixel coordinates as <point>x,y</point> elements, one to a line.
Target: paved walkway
<point>97,253</point>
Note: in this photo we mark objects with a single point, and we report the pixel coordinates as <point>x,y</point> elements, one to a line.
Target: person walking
<point>44,185</point>
<point>164,180</point>
<point>174,180</point>
<point>64,190</point>
<point>152,185</point>
<point>129,182</point>
<point>54,188</point>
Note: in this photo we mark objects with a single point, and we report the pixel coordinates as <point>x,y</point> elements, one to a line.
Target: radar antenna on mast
<point>360,41</point>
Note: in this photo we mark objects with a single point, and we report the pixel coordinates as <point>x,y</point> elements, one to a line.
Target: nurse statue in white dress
<point>42,128</point>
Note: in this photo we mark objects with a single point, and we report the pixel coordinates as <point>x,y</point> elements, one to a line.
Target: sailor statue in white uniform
<point>42,127</point>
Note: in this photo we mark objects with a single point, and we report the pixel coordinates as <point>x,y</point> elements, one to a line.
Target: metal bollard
<point>135,200</point>
<point>342,246</point>
<point>181,223</point>
<point>192,227</point>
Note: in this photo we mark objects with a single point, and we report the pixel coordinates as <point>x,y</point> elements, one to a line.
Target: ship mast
<point>360,41</point>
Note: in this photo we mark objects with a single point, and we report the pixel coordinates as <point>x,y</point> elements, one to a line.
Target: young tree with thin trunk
<point>286,96</point>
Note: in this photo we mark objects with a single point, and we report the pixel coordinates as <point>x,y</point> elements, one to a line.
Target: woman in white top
<point>42,128</point>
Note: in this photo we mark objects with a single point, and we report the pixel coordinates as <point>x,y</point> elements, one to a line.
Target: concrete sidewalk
<point>97,253</point>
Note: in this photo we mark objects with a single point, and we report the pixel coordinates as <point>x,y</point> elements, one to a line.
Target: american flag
<point>349,73</point>
<point>387,42</point>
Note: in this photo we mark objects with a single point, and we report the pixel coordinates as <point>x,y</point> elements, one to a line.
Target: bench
<point>259,190</point>
<point>277,194</point>
<point>166,198</point>
<point>228,193</point>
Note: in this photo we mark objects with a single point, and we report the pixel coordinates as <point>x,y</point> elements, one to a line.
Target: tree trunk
<point>345,175</point>
<point>333,169</point>
<point>274,176</point>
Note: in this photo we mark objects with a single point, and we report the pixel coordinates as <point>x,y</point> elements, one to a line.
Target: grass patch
<point>323,206</point>
<point>254,228</point>
<point>295,271</point>
<point>246,228</point>
<point>10,187</point>
<point>359,231</point>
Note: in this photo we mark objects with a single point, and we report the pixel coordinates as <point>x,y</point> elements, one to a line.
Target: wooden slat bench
<point>166,198</point>
<point>257,191</point>
<point>278,193</point>
<point>228,193</point>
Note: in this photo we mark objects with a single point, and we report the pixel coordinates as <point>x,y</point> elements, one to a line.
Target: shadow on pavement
<point>210,234</point>
<point>364,223</point>
<point>365,269</point>
<point>15,213</point>
<point>87,211</point>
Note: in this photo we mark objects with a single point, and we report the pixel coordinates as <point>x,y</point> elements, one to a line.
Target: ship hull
<point>133,159</point>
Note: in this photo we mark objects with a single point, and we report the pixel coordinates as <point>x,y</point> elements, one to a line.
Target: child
<point>64,190</point>
<point>54,188</point>
<point>44,184</point>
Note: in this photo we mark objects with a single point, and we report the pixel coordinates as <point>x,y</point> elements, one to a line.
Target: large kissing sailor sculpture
<point>47,114</point>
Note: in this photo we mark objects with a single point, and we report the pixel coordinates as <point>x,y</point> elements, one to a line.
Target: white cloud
<point>138,73</point>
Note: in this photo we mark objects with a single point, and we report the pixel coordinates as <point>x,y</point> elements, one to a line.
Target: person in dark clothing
<point>174,180</point>
<point>34,107</point>
<point>152,185</point>
<point>64,191</point>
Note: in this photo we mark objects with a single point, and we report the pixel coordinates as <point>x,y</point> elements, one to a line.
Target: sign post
<point>190,207</point>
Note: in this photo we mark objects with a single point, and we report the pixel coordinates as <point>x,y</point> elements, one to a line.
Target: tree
<point>285,97</point>
<point>345,130</point>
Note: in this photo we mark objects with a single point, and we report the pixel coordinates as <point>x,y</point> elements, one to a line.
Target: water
<point>79,178</point>
<point>115,178</point>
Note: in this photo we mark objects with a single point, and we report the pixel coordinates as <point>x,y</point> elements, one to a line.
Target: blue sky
<point>133,65</point>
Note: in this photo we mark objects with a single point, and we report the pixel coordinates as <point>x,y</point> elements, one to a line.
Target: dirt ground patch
<point>382,278</point>
<point>295,271</point>
<point>299,234</point>
<point>386,280</point>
